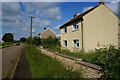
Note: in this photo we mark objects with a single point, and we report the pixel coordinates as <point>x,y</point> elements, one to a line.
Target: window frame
<point>65,43</point>
<point>65,30</point>
<point>76,43</point>
<point>75,26</point>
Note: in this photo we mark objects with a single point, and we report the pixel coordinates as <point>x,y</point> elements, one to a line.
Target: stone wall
<point>88,70</point>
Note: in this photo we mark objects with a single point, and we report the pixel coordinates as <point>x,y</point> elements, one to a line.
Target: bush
<point>50,42</point>
<point>109,59</point>
<point>29,40</point>
<point>36,41</point>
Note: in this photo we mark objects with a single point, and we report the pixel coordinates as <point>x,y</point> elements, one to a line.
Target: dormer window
<point>65,30</point>
<point>75,26</point>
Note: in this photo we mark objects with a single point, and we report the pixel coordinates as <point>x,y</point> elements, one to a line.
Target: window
<point>76,43</point>
<point>65,43</point>
<point>65,30</point>
<point>75,26</point>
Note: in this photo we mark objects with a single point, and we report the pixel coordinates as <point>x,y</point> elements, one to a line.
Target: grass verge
<point>81,55</point>
<point>42,66</point>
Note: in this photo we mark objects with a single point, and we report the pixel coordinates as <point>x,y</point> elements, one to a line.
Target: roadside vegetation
<point>42,66</point>
<point>6,44</point>
<point>108,58</point>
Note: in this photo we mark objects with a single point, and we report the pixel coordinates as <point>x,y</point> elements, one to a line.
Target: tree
<point>36,41</point>
<point>8,37</point>
<point>29,40</point>
<point>23,39</point>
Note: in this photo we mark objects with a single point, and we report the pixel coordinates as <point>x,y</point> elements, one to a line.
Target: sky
<point>15,15</point>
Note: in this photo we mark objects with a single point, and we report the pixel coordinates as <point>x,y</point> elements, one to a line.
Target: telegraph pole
<point>31,19</point>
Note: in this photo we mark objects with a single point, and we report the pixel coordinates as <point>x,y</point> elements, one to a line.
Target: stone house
<point>47,33</point>
<point>98,25</point>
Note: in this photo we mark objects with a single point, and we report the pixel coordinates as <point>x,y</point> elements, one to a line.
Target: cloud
<point>15,16</point>
<point>41,22</point>
<point>49,13</point>
<point>87,8</point>
<point>57,27</point>
<point>113,5</point>
<point>43,9</point>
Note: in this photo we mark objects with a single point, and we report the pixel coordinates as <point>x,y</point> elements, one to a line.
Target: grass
<point>6,44</point>
<point>81,55</point>
<point>42,66</point>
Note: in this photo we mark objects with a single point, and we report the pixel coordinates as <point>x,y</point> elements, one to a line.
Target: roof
<point>78,17</point>
<point>46,30</point>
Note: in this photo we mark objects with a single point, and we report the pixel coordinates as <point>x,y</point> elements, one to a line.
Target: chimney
<point>75,15</point>
<point>45,28</point>
<point>102,2</point>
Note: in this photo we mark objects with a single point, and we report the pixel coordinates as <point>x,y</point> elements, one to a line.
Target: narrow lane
<point>23,68</point>
<point>8,56</point>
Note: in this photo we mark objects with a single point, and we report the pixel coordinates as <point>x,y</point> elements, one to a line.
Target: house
<point>97,26</point>
<point>47,33</point>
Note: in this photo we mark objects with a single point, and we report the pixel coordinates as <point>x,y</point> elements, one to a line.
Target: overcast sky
<point>15,18</point>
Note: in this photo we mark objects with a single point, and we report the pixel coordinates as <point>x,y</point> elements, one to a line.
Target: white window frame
<point>75,26</point>
<point>65,43</point>
<point>65,30</point>
<point>76,43</point>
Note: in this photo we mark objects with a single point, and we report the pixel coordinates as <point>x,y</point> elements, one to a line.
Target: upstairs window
<point>75,26</point>
<point>65,43</point>
<point>76,43</point>
<point>65,30</point>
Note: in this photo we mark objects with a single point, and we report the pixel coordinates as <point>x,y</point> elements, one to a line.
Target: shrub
<point>29,40</point>
<point>36,41</point>
<point>50,42</point>
<point>109,59</point>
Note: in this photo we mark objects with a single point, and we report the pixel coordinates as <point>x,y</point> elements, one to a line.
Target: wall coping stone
<point>94,66</point>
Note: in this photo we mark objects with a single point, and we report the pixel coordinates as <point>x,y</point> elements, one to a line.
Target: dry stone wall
<point>87,70</point>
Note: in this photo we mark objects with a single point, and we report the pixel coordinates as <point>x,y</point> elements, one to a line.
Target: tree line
<point>37,41</point>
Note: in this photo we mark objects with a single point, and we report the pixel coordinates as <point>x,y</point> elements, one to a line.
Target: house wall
<point>119,33</point>
<point>47,33</point>
<point>70,36</point>
<point>100,25</point>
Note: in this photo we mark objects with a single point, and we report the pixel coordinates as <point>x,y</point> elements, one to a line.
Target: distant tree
<point>8,37</point>
<point>23,39</point>
<point>36,41</point>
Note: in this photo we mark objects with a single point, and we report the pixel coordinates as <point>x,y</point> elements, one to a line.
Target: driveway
<point>8,56</point>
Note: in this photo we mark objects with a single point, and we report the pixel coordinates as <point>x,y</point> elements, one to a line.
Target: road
<point>8,56</point>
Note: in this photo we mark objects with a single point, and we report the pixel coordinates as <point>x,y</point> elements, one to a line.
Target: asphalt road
<point>8,56</point>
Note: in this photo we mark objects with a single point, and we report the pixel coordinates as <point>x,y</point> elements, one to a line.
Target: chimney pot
<point>75,15</point>
<point>102,2</point>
